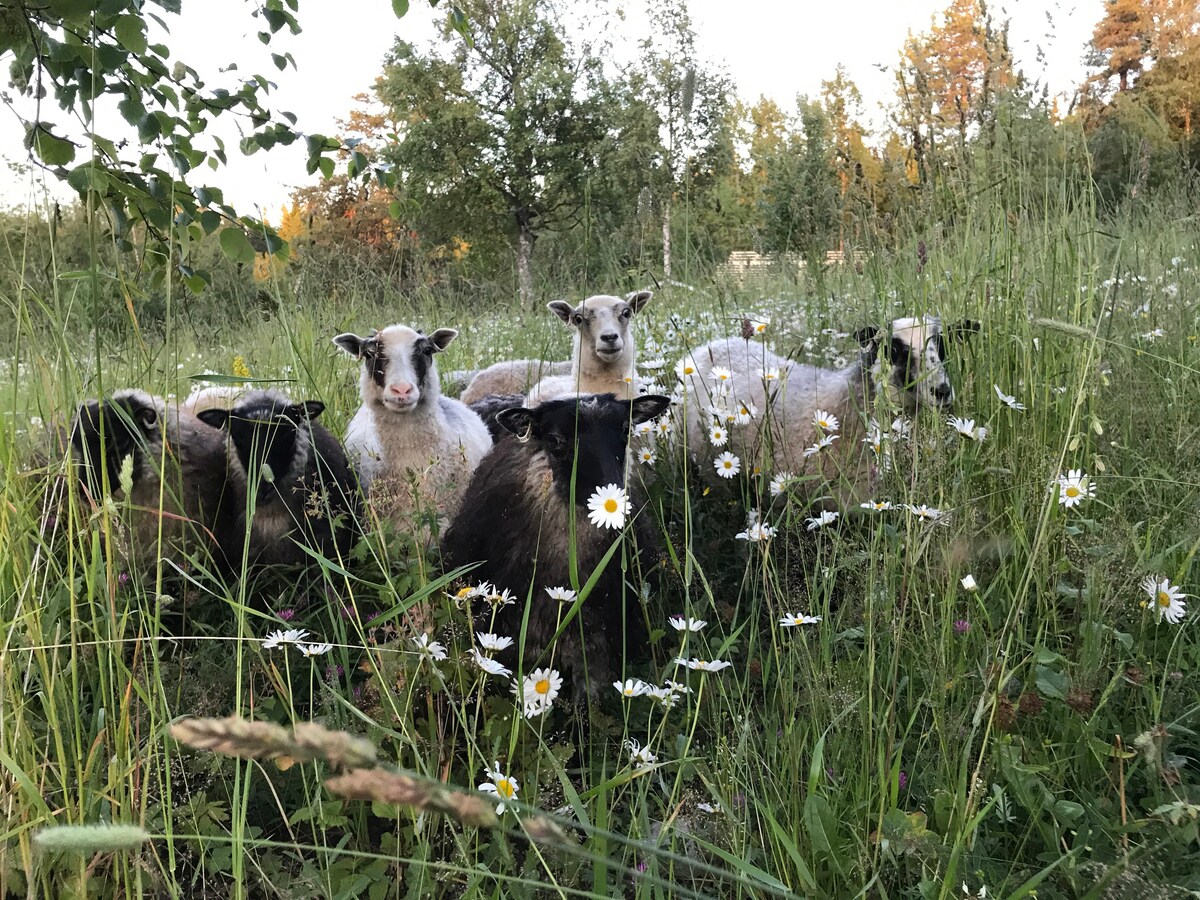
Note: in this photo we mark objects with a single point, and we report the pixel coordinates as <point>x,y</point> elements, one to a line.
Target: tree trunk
<point>525,239</point>
<point>666,217</point>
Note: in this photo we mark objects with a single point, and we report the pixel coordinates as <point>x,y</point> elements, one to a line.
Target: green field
<point>1035,734</point>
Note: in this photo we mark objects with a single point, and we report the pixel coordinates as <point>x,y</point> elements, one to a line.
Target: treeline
<point>525,159</point>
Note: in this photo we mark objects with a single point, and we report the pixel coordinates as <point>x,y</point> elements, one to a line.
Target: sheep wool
<point>518,522</point>
<point>416,449</point>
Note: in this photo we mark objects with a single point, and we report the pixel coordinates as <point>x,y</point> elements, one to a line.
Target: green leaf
<point>131,33</point>
<point>1051,683</point>
<point>400,8</point>
<point>236,246</point>
<point>53,151</point>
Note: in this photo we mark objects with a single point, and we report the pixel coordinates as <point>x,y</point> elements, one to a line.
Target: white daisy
<point>608,507</point>
<point>496,598</point>
<point>877,505</point>
<point>686,367</point>
<point>703,665</point>
<point>718,436</point>
<point>792,620</point>
<point>823,442</point>
<point>969,583</point>
<point>967,428</point>
<point>826,421</point>
<point>901,427</point>
<point>431,649</point>
<point>640,756</point>
<point>1166,599</point>
<point>1008,399</point>
<point>827,517</point>
<point>491,666</point>
<point>538,691</point>
<point>679,623</point>
<point>770,373</point>
<point>652,364</point>
<point>664,426</point>
<point>645,430</point>
<point>1074,488</point>
<point>491,641</point>
<point>925,513</point>
<point>647,456</point>
<point>780,482</point>
<point>500,785</point>
<point>721,375</point>
<point>561,594</point>
<point>290,636</point>
<point>632,687</point>
<point>744,413</point>
<point>314,649</point>
<point>760,324</point>
<point>755,533</point>
<point>727,465</point>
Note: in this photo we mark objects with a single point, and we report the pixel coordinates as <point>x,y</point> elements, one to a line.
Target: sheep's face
<point>602,322</point>
<point>399,371</point>
<point>266,429</point>
<point>916,350</point>
<point>589,435</point>
<point>130,422</point>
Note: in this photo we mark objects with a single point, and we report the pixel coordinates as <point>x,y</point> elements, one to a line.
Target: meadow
<point>991,704</point>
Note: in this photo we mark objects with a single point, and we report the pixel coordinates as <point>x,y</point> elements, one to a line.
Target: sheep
<point>603,356</point>
<point>165,464</point>
<point>765,406</point>
<point>294,484</point>
<point>215,396</point>
<point>416,449</point>
<point>517,521</point>
<point>511,377</point>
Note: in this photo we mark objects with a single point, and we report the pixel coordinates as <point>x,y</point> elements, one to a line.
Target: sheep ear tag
<point>518,421</point>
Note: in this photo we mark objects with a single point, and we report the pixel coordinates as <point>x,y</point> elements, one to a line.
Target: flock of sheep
<point>503,474</point>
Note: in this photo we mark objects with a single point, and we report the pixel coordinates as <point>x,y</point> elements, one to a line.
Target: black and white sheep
<point>603,358</point>
<point>174,475</point>
<point>517,520</point>
<point>294,485</point>
<point>416,449</point>
<point>766,405</point>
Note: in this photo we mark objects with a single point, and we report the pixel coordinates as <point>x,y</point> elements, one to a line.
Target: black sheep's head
<point>105,433</point>
<point>266,429</point>
<point>588,436</point>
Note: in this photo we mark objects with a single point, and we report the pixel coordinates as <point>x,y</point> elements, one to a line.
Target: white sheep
<point>514,376</point>
<point>741,397</point>
<point>602,361</point>
<point>416,450</point>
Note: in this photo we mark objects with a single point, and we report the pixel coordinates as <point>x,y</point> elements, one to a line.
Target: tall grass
<point>1037,733</point>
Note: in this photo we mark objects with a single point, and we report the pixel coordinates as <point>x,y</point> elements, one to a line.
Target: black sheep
<point>517,520</point>
<point>304,492</point>
<point>175,475</point>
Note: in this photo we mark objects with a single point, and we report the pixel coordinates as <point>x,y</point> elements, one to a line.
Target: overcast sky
<point>777,48</point>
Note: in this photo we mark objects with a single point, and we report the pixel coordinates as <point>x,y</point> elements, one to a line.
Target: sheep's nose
<point>943,393</point>
<point>402,390</point>
<point>609,337</point>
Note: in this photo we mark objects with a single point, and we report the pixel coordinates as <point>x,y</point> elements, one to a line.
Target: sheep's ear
<point>961,331</point>
<point>867,335</point>
<point>638,299</point>
<point>651,406</point>
<point>442,337</point>
<point>518,420</point>
<point>562,309</point>
<point>351,343</point>
<point>217,418</point>
<point>307,410</point>
<point>146,416</point>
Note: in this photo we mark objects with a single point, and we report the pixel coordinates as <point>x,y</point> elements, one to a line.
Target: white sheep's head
<point>601,323</point>
<point>398,369</point>
<point>915,348</point>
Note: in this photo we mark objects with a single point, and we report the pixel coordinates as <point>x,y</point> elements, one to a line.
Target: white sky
<point>778,48</point>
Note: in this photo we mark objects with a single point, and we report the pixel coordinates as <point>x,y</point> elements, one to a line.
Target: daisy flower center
<point>727,464</point>
<point>1072,491</point>
<point>543,686</point>
<point>610,505</point>
<point>1164,599</point>
<point>504,788</point>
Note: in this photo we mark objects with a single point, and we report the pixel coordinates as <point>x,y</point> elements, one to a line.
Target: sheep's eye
<point>427,349</point>
<point>576,319</point>
<point>628,312</point>
<point>556,443</point>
